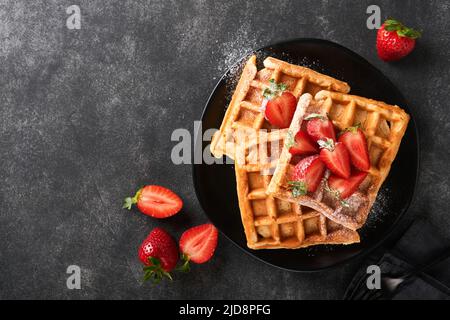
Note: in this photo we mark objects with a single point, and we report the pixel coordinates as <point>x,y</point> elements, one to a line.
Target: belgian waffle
<point>244,110</point>
<point>383,125</point>
<point>272,223</point>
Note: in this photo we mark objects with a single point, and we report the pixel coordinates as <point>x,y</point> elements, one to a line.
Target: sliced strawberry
<point>346,187</point>
<point>198,243</point>
<point>335,157</point>
<point>159,253</point>
<point>280,110</point>
<point>155,201</point>
<point>310,170</point>
<point>303,144</point>
<point>320,128</point>
<point>355,142</point>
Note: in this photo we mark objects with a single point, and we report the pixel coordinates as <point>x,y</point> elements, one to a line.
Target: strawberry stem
<point>353,129</point>
<point>298,188</point>
<point>185,267</point>
<point>129,201</point>
<point>155,271</point>
<point>401,29</point>
<point>315,116</point>
<point>337,195</point>
<point>274,89</point>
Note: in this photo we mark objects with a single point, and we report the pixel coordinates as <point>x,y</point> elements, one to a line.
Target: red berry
<point>310,171</point>
<point>303,144</point>
<point>155,201</point>
<point>355,142</point>
<point>320,128</point>
<point>335,157</point>
<point>395,41</point>
<point>199,243</point>
<point>280,110</point>
<point>159,253</point>
<point>346,187</point>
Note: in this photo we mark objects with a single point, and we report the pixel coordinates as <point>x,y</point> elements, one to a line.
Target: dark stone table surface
<point>87,115</point>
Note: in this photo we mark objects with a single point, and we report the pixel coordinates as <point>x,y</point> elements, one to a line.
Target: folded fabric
<point>419,246</point>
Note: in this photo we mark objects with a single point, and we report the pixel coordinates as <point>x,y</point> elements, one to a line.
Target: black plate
<point>216,187</point>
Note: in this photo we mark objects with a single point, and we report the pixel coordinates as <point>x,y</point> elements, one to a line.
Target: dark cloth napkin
<point>420,245</point>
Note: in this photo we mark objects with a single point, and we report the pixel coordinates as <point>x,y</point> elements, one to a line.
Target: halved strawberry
<point>280,110</point>
<point>303,144</point>
<point>155,201</point>
<point>319,127</point>
<point>355,141</point>
<point>346,187</point>
<point>198,244</point>
<point>309,173</point>
<point>335,157</point>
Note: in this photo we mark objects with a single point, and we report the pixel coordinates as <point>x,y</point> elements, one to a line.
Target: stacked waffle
<point>271,215</point>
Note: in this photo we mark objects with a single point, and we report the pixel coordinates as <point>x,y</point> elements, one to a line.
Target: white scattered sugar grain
<point>380,209</point>
<point>236,51</point>
<point>242,44</point>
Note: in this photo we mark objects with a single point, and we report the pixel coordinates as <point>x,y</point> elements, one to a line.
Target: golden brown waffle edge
<point>244,108</point>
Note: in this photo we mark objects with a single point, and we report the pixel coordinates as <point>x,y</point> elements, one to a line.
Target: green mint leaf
<point>353,129</point>
<point>267,93</point>
<point>298,188</point>
<point>315,116</point>
<point>282,87</point>
<point>337,195</point>
<point>274,89</point>
<point>326,144</point>
<point>290,140</point>
<point>345,204</point>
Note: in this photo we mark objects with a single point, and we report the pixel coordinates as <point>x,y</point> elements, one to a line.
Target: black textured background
<point>86,117</point>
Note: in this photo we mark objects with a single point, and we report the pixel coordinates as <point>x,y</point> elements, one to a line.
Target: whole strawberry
<point>159,253</point>
<point>395,41</point>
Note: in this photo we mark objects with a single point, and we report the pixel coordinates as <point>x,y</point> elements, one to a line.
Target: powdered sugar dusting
<point>237,48</point>
<point>237,52</point>
<point>380,209</point>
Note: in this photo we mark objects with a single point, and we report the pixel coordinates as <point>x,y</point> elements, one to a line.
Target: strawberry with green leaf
<point>155,201</point>
<point>274,89</point>
<point>280,106</point>
<point>306,176</point>
<point>335,156</point>
<point>319,127</point>
<point>301,144</point>
<point>395,41</point>
<point>344,188</point>
<point>159,253</point>
<point>356,143</point>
